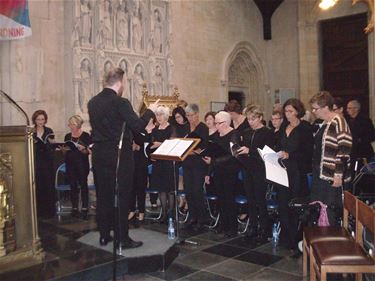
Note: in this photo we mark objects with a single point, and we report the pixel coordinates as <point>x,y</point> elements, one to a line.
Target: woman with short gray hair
<point>162,177</point>
<point>225,168</point>
<point>195,170</point>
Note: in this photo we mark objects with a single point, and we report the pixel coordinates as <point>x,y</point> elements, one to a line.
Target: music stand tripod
<point>176,149</point>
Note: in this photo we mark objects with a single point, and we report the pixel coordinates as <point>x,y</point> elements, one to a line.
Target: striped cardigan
<point>337,143</point>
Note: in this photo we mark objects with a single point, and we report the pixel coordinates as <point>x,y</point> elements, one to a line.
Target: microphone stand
<point>16,105</point>
<point>116,209</point>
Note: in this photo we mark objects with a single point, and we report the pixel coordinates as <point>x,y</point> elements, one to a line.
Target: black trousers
<point>288,217</point>
<point>77,173</point>
<point>225,181</point>
<point>138,195</point>
<point>194,173</point>
<point>256,189</point>
<point>45,189</point>
<point>322,190</point>
<point>104,160</point>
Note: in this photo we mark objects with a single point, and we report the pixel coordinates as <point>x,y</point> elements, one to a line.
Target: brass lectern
<point>19,240</point>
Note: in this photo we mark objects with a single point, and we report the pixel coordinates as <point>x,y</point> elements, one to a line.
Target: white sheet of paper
<point>274,171</point>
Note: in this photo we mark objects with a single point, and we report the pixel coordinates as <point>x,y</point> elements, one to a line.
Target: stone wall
<point>208,48</point>
<point>207,38</point>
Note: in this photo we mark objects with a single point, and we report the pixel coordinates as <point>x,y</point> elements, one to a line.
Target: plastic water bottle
<point>275,234</point>
<point>171,231</point>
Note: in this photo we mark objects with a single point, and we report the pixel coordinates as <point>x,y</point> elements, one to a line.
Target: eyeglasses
<point>313,109</point>
<point>252,119</point>
<point>219,123</point>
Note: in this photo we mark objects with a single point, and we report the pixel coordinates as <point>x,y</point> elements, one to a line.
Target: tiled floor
<point>218,258</point>
<point>213,258</point>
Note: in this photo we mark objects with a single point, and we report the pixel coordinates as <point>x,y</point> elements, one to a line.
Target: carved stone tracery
<point>130,34</point>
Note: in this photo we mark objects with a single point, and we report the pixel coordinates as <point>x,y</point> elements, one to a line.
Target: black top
<point>180,130</point>
<point>140,158</point>
<point>76,155</point>
<point>242,127</point>
<point>299,145</point>
<point>317,155</point>
<point>160,135</point>
<point>227,162</point>
<point>202,131</point>
<point>43,150</point>
<point>162,177</point>
<point>108,112</point>
<point>363,133</point>
<point>277,140</point>
<point>255,139</point>
<point>195,161</point>
<point>213,137</point>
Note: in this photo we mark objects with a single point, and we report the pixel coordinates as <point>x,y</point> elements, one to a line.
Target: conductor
<point>109,114</point>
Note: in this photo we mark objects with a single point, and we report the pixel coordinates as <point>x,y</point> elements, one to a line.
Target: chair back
<point>350,207</point>
<point>366,218</point>
<point>60,172</point>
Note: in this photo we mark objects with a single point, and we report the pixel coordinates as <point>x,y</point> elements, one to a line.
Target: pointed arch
<point>243,69</point>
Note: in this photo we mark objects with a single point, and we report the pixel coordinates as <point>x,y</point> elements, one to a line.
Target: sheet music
<point>173,147</point>
<point>274,171</point>
<point>181,147</point>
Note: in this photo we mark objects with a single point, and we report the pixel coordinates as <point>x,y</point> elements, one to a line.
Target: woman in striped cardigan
<point>333,142</point>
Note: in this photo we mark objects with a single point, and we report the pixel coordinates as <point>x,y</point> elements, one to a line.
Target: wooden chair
<point>345,256</point>
<point>314,234</point>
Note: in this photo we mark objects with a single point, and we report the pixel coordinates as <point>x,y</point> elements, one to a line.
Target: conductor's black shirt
<point>108,112</point>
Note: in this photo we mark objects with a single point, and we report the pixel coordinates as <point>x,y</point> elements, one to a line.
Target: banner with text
<point>14,19</point>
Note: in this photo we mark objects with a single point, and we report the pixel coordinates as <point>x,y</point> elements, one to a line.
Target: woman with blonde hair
<point>257,136</point>
<point>77,164</point>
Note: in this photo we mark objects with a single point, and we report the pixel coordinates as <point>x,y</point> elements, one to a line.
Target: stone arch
<point>129,67</point>
<point>244,71</point>
<point>127,77</point>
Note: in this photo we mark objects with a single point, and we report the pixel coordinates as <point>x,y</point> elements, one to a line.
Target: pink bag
<point>323,217</point>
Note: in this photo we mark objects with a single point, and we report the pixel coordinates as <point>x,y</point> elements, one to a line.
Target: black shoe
<point>230,234</point>
<point>163,220</point>
<point>219,229</point>
<point>251,233</point>
<point>131,244</point>
<point>84,215</point>
<point>103,241</point>
<point>75,213</point>
<point>262,237</point>
<point>199,227</point>
<point>191,222</point>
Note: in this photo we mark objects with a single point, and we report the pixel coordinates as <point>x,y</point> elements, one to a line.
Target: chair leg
<point>358,277</point>
<point>312,269</point>
<point>216,221</point>
<point>323,274</point>
<point>304,270</point>
<point>306,253</point>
